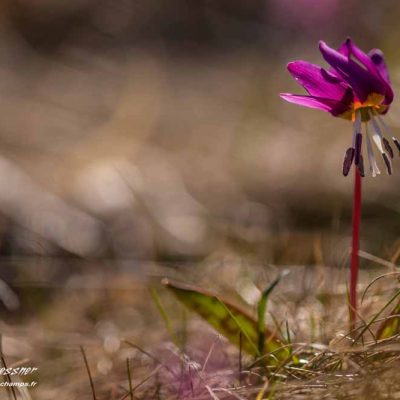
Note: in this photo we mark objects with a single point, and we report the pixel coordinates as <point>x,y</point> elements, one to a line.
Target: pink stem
<point>355,246</point>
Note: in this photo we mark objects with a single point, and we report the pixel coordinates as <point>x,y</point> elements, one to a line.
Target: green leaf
<point>229,320</point>
<point>390,326</point>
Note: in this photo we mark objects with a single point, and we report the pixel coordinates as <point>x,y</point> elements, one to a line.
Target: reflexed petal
<point>308,101</point>
<point>316,81</point>
<point>362,81</point>
<point>333,106</point>
<point>371,66</point>
<point>344,49</point>
<point>359,55</point>
<point>331,76</point>
<point>379,61</point>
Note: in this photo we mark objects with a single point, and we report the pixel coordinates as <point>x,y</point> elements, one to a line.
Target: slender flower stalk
<point>356,87</point>
<point>355,247</point>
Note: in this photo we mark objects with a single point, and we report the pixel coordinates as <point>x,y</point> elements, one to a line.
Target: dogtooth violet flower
<point>356,87</point>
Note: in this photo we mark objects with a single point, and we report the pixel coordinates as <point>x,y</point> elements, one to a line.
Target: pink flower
<point>355,87</point>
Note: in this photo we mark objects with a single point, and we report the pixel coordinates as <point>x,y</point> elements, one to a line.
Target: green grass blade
<point>164,316</point>
<point>261,311</point>
<point>229,320</point>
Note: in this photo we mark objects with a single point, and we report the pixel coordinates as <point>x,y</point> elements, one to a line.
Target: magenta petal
<point>369,63</point>
<point>362,81</point>
<point>307,101</point>
<point>359,55</point>
<point>350,49</point>
<point>353,76</point>
<point>332,76</point>
<point>317,81</point>
<point>344,49</point>
<point>377,58</point>
<point>333,106</point>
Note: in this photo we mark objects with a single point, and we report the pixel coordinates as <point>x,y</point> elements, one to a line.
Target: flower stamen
<point>388,147</point>
<point>348,160</point>
<point>360,166</point>
<point>397,143</point>
<point>387,162</point>
<point>358,144</point>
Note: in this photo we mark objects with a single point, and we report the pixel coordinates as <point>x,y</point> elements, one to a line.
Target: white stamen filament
<point>377,137</point>
<point>377,134</point>
<point>373,166</point>
<point>383,123</point>
<point>386,127</point>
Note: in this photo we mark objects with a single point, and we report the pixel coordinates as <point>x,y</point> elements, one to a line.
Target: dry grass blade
<point>378,260</point>
<point>212,394</point>
<point>240,355</point>
<point>261,393</point>
<point>151,356</point>
<point>376,280</point>
<point>230,392</point>
<point>376,316</point>
<point>209,353</point>
<point>142,382</point>
<point>390,326</point>
<point>88,372</point>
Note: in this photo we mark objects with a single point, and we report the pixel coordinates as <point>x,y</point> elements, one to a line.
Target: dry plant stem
<point>355,247</point>
<point>14,396</point>
<point>128,369</point>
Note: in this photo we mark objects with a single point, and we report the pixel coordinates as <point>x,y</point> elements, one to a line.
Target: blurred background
<point>154,130</point>
<point>149,138</point>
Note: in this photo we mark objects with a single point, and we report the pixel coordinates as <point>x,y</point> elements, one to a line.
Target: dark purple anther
<point>397,143</point>
<point>387,147</point>
<point>360,167</point>
<point>387,162</point>
<point>357,145</point>
<point>348,160</point>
